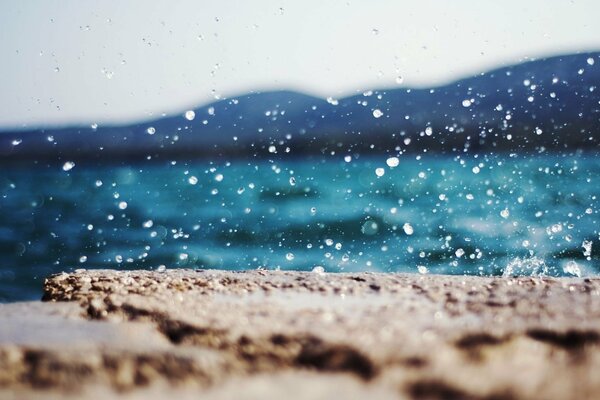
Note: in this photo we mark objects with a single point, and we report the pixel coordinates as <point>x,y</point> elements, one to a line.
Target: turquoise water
<point>486,215</point>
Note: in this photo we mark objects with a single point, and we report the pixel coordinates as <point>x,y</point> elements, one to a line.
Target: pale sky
<point>73,61</point>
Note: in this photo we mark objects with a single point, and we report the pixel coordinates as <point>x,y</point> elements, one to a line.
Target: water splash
<point>572,268</point>
<point>532,266</point>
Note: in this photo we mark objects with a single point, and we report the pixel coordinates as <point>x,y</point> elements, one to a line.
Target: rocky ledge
<point>268,334</point>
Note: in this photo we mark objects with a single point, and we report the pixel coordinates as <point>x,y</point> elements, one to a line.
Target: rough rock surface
<point>259,334</point>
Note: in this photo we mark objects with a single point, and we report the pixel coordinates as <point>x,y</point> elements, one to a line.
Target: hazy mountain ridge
<point>551,103</point>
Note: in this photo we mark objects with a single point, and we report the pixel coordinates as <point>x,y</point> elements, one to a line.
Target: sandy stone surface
<point>294,335</point>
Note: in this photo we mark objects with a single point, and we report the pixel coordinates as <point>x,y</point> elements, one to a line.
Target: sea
<point>500,215</point>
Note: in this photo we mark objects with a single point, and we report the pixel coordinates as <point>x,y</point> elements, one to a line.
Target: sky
<point>82,62</point>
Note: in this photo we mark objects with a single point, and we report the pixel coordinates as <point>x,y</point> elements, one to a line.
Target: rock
<point>268,334</point>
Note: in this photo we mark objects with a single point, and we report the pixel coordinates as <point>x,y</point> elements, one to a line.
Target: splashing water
<point>572,268</point>
<point>532,266</point>
<point>432,212</point>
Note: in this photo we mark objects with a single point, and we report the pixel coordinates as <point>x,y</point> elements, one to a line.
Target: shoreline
<point>270,334</point>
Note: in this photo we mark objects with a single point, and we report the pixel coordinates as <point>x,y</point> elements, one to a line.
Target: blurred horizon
<point>204,103</point>
<point>115,63</point>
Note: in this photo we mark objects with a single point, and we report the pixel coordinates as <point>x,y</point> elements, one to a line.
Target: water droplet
<point>219,177</point>
<point>211,111</point>
<point>16,142</point>
<point>161,268</point>
<point>68,166</point>
<point>466,103</point>
<point>505,213</point>
<point>82,259</point>
<point>370,228</point>
<point>422,269</point>
<point>408,229</point>
<point>538,131</point>
<point>590,61</point>
<point>392,162</point>
<point>272,149</point>
<point>587,248</point>
<point>148,224</point>
<point>190,115</point>
<point>292,181</point>
<point>572,268</point>
<point>399,80</point>
<point>379,172</point>
<point>289,256</point>
<point>377,113</point>
<point>459,253</point>
<point>151,130</point>
<point>348,158</point>
<point>476,169</point>
<point>99,183</point>
<point>192,180</point>
<point>119,258</point>
<point>108,74</point>
<point>318,270</point>
<point>122,205</point>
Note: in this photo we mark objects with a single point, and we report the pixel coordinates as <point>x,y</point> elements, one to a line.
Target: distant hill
<point>548,104</point>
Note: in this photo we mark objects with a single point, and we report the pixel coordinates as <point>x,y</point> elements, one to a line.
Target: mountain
<point>548,104</point>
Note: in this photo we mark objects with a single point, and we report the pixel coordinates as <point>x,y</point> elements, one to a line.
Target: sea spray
<point>531,266</point>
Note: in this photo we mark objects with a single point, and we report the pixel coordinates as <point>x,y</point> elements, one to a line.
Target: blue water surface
<point>486,215</point>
